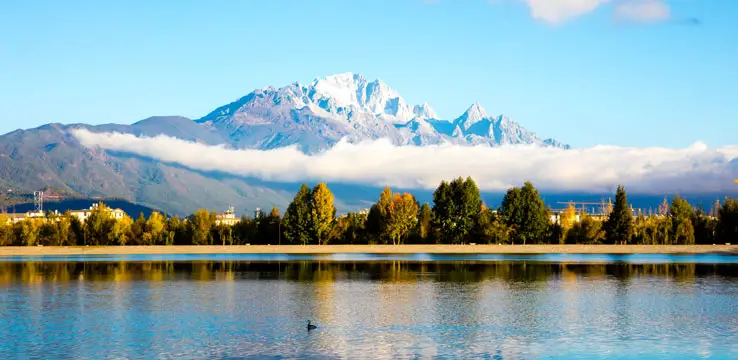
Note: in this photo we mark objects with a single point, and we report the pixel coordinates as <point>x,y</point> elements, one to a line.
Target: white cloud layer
<point>558,11</point>
<point>643,170</point>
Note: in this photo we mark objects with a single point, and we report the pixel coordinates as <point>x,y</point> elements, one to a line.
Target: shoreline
<point>369,249</point>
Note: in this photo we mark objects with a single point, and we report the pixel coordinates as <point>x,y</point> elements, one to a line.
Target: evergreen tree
<point>443,213</point>
<point>297,218</point>
<point>680,212</point>
<point>704,228</point>
<point>619,225</point>
<point>138,229</point>
<point>424,222</point>
<point>373,225</point>
<point>727,230</point>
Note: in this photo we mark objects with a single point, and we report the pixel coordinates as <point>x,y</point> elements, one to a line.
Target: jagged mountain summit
<point>317,115</point>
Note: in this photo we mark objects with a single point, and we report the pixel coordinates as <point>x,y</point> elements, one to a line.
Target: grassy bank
<point>376,249</point>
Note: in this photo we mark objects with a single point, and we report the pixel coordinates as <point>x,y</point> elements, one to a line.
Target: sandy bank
<point>376,249</point>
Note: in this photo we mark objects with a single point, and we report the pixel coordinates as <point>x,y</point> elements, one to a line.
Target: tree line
<point>457,215</point>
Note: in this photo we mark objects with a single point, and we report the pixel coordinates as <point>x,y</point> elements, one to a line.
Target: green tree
<point>619,224</point>
<point>468,204</point>
<point>456,210</point>
<point>586,231</point>
<point>492,229</point>
<point>680,212</point>
<point>98,228</point>
<point>322,212</point>
<point>200,226</point>
<point>138,230</point>
<point>705,228</point>
<point>176,231</point>
<point>225,234</point>
<point>727,229</point>
<point>525,213</point>
<point>76,231</point>
<point>62,229</point>
<point>424,222</point>
<point>297,218</point>
<point>443,213</point>
<point>373,226</point>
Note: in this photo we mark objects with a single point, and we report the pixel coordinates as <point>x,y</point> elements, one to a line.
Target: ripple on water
<point>419,307</point>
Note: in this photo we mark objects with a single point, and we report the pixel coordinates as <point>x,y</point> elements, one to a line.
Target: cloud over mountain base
<point>697,169</point>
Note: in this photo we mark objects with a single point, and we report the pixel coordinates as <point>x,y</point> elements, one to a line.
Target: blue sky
<point>621,72</point>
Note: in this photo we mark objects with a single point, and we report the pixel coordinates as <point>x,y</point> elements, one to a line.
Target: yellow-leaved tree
<point>403,217</point>
<point>322,212</point>
<point>122,230</point>
<point>567,220</point>
<point>30,231</point>
<point>6,231</point>
<point>155,226</point>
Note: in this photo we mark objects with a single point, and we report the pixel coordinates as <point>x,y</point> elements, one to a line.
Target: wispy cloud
<point>645,170</point>
<point>644,11</point>
<point>641,11</point>
<point>557,11</point>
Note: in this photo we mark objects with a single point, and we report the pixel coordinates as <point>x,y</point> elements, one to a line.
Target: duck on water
<point>311,326</point>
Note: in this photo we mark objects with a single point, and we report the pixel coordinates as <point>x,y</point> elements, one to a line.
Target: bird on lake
<point>311,326</point>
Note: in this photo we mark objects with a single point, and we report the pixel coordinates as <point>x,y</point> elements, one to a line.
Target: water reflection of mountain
<point>327,272</point>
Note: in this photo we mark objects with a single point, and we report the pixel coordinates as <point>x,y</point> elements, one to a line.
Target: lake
<point>369,306</point>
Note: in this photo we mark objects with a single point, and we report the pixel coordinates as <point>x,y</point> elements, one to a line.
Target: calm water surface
<point>369,307</point>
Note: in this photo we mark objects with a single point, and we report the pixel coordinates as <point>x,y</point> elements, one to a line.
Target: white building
<point>227,218</point>
<point>82,215</point>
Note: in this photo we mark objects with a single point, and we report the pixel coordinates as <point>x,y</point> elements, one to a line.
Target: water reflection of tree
<point>326,271</point>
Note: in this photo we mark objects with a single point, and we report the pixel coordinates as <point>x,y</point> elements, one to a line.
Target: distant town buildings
<point>82,215</point>
<point>227,218</point>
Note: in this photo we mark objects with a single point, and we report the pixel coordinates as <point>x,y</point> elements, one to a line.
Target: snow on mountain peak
<point>425,111</point>
<point>471,116</point>
<point>342,88</point>
<point>350,90</point>
<point>347,104</point>
<point>476,112</point>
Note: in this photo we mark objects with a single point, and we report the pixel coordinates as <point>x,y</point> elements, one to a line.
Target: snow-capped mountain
<point>317,115</point>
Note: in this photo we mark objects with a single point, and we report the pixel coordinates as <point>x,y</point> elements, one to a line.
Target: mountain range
<point>312,117</point>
